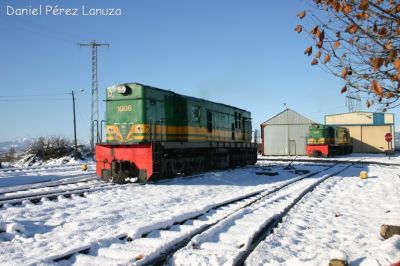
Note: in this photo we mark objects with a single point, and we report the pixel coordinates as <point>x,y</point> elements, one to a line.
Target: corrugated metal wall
<point>276,140</point>
<point>285,139</point>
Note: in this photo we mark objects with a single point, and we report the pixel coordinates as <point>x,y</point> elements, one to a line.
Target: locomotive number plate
<point>124,108</point>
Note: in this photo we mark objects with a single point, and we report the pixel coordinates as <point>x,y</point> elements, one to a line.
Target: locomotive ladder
<point>156,149</point>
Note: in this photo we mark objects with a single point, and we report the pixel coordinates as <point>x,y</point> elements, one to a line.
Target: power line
<point>30,100</point>
<point>32,95</point>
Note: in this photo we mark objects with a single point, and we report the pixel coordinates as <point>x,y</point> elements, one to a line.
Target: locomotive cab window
<point>238,119</point>
<point>195,113</point>
<point>209,121</point>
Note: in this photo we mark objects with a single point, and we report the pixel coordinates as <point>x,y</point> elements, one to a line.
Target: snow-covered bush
<point>45,148</point>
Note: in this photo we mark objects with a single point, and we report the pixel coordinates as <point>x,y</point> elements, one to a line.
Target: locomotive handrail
<point>97,129</point>
<point>101,130</point>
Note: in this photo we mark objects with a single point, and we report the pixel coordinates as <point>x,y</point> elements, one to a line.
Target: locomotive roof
<point>189,97</point>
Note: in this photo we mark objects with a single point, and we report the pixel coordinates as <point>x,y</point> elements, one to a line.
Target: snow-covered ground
<point>43,173</point>
<point>378,157</point>
<point>343,213</point>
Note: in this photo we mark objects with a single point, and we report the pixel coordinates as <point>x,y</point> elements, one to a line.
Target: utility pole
<point>73,110</point>
<point>75,141</point>
<point>94,133</point>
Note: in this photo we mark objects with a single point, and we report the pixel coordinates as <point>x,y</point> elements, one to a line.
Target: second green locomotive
<point>327,141</point>
<point>153,133</point>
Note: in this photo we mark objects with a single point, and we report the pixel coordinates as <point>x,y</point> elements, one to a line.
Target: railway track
<point>197,233</point>
<point>329,160</point>
<point>38,168</point>
<point>47,184</point>
<point>52,191</point>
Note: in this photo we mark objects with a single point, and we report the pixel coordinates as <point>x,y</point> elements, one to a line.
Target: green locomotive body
<point>137,113</point>
<point>328,141</point>
<point>177,133</point>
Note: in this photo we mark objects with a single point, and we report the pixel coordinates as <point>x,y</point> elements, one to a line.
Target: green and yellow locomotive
<point>327,141</point>
<point>153,133</point>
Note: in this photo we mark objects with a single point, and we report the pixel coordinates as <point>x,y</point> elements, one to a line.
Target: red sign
<point>388,137</point>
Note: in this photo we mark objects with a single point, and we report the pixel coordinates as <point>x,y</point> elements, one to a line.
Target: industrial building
<point>367,129</point>
<point>285,134</point>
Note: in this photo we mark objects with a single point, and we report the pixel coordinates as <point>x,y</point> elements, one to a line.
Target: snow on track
<point>227,242</point>
<point>345,213</point>
<point>157,242</point>
<point>46,185</point>
<point>57,227</point>
<point>40,174</point>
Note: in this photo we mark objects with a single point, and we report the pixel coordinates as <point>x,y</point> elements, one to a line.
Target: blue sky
<point>242,53</point>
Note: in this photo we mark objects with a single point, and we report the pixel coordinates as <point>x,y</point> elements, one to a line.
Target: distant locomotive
<point>153,133</point>
<point>327,141</point>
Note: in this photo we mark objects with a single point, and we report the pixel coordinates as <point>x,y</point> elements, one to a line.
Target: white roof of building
<point>289,117</point>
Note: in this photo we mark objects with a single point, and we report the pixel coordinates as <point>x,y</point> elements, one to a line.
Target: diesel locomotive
<point>327,141</point>
<point>153,133</point>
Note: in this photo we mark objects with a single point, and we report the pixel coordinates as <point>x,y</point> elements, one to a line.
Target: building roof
<point>288,117</point>
<point>359,112</point>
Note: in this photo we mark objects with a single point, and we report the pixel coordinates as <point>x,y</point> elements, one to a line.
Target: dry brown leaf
<point>388,94</point>
<point>319,44</point>
<point>345,71</point>
<point>376,88</point>
<point>367,103</point>
<point>336,44</point>
<point>396,64</point>
<point>395,77</point>
<point>389,46</point>
<point>321,36</point>
<point>336,6</point>
<point>314,62</point>
<point>308,51</point>
<point>362,16</point>
<point>327,58</point>
<point>376,63</point>
<point>375,27</point>
<point>353,28</point>
<point>347,9</point>
<point>314,30</point>
<point>364,5</point>
<point>301,15</point>
<point>298,28</point>
<point>343,90</point>
<point>383,31</point>
<point>318,54</point>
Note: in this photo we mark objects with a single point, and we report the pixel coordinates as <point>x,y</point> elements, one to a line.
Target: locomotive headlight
<point>121,89</point>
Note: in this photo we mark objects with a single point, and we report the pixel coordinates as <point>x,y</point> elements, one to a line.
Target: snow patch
<point>337,254</point>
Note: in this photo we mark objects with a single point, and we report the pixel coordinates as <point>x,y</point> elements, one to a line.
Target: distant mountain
<point>20,145</point>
